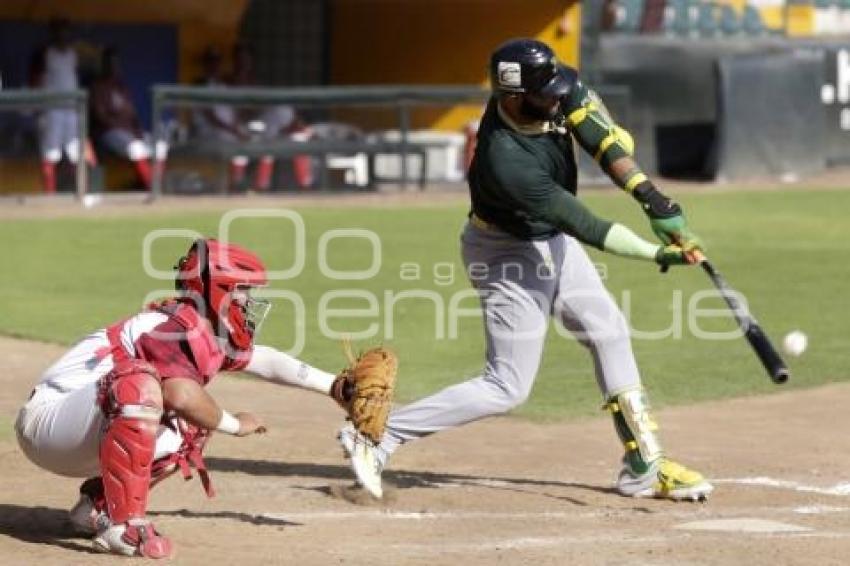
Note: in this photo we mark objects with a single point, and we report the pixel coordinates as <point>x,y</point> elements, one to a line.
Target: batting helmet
<point>222,275</point>
<point>529,66</point>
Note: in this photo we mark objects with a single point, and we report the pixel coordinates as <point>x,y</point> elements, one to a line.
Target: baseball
<point>795,343</point>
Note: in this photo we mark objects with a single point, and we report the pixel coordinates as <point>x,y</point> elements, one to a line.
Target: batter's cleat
<point>367,459</point>
<point>87,516</point>
<point>665,479</point>
<point>136,537</point>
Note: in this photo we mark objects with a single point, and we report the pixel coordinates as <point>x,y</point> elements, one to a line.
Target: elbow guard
<point>616,144</point>
<point>625,139</point>
<point>599,135</point>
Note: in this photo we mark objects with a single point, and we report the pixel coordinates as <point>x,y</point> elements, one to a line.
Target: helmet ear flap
<point>527,65</point>
<point>179,284</point>
<point>203,251</point>
<point>200,251</point>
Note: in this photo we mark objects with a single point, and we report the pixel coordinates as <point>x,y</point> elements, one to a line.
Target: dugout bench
<point>223,152</point>
<point>402,98</point>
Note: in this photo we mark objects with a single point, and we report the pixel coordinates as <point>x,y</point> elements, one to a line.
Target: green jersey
<point>525,184</point>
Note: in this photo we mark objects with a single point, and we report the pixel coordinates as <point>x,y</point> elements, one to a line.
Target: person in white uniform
<point>55,69</point>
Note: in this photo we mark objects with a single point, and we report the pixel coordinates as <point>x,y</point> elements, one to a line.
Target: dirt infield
<point>502,491</point>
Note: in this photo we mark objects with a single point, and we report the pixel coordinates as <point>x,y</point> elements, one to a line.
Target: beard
<point>535,112</point>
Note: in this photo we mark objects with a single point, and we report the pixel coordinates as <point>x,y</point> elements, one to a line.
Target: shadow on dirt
<point>404,479</point>
<point>40,525</point>
<point>232,515</point>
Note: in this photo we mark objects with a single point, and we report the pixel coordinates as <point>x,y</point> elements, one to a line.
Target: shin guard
<point>131,398</point>
<point>636,428</point>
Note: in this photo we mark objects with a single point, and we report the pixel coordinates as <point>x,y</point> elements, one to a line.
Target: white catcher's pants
<point>58,133</point>
<point>521,285</point>
<point>60,431</point>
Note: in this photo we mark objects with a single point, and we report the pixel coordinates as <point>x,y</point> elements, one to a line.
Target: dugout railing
<point>403,99</point>
<point>36,99</point>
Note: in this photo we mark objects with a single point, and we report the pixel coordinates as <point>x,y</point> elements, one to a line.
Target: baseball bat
<point>760,343</point>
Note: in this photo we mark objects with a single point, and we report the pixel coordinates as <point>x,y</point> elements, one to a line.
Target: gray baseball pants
<point>521,284</point>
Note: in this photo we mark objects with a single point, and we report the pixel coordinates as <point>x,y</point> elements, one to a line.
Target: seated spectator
<point>652,19</point>
<point>271,122</point>
<point>220,122</point>
<point>115,123</point>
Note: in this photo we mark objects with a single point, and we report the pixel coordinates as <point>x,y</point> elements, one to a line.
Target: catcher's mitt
<point>365,390</point>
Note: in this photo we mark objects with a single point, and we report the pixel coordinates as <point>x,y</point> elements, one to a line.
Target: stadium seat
<point>677,17</point>
<point>708,19</point>
<point>629,13</point>
<point>730,22</point>
<point>752,22</point>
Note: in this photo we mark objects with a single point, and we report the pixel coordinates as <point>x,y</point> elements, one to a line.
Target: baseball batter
<point>126,406</point>
<point>522,248</point>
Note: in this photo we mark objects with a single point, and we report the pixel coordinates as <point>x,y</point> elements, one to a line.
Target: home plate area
<point>502,491</point>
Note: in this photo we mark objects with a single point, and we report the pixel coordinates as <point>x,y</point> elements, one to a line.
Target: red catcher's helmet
<point>216,272</point>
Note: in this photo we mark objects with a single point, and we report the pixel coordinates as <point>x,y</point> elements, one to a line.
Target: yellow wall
<point>801,20</point>
<point>440,41</point>
<point>201,22</point>
<point>372,41</point>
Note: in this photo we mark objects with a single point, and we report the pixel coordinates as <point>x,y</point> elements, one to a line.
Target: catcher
<point>126,406</point>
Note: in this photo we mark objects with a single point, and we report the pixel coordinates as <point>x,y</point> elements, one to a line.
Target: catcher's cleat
<point>665,479</point>
<point>367,459</point>
<point>87,516</point>
<point>84,516</point>
<point>136,537</point>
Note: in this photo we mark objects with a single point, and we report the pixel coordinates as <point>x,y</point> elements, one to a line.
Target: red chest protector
<point>207,355</point>
<point>185,326</point>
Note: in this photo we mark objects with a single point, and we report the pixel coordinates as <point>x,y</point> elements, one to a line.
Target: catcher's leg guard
<point>636,428</point>
<point>131,399</point>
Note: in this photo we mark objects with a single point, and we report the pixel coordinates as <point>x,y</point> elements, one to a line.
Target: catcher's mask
<point>222,277</point>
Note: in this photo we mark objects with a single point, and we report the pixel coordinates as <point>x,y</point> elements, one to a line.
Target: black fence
<point>403,99</point>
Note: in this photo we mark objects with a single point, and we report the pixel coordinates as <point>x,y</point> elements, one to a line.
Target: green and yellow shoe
<point>664,479</point>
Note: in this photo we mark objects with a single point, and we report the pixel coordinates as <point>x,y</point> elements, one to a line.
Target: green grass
<point>6,428</point>
<point>787,251</point>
